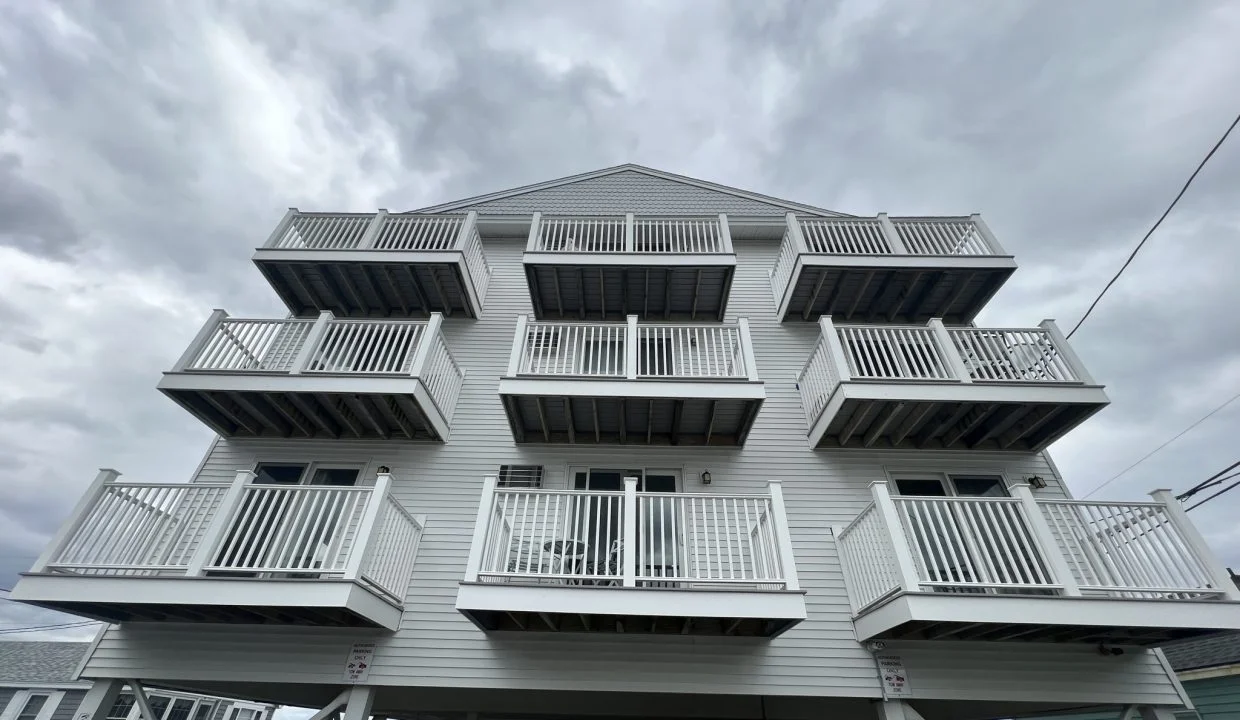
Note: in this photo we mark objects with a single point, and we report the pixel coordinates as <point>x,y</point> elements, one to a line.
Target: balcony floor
<point>563,290</point>
<point>899,289</point>
<point>369,283</point>
<point>952,416</point>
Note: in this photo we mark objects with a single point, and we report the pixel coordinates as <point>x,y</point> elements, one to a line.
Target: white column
<point>214,535</point>
<point>531,244</point>
<point>628,552</point>
<point>891,235</point>
<point>1041,530</point>
<point>630,231</point>
<point>104,477</point>
<point>896,710</point>
<point>200,340</point>
<point>950,354</point>
<point>99,700</point>
<point>363,543</point>
<point>1065,349</point>
<point>794,232</point>
<point>751,365</point>
<point>725,235</point>
<point>486,509</point>
<point>310,344</point>
<point>361,700</point>
<point>274,238</point>
<point>518,346</point>
<point>834,347</point>
<point>984,230</point>
<point>142,701</point>
<point>1221,579</point>
<point>630,348</point>
<point>783,537</point>
<point>372,231</point>
<point>906,569</point>
<point>429,335</point>
<point>1151,712</point>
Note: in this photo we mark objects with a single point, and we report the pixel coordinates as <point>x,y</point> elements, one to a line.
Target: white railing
<point>785,263</point>
<point>1017,355</point>
<point>632,539</point>
<point>261,531</point>
<point>817,380</point>
<point>443,376</point>
<point>320,231</point>
<point>1022,545</point>
<point>367,347</point>
<point>633,350</point>
<point>943,236</point>
<point>419,233</point>
<point>629,234</point>
<point>845,236</point>
<point>252,345</point>
<point>877,352</point>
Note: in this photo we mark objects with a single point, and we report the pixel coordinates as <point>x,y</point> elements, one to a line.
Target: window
<point>302,474</point>
<point>206,709</point>
<point>120,709</point>
<point>32,708</point>
<point>243,714</point>
<point>942,485</point>
<point>520,476</point>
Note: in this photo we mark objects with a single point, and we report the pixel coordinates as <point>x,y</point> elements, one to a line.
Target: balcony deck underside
<point>356,284</point>
<point>600,419</point>
<point>230,600</point>
<point>991,421</point>
<point>309,414</point>
<point>824,285</point>
<point>662,611</point>
<point>1046,618</point>
<point>611,292</point>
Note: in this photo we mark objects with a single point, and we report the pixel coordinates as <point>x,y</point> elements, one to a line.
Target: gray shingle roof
<point>40,662</point>
<point>1221,649</point>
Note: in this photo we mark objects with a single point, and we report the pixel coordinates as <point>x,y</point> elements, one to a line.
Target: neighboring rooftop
<point>40,662</point>
<point>1211,651</point>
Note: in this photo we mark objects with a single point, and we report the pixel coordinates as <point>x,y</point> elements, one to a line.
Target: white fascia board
<point>1052,611</point>
<point>284,383</point>
<point>633,259</point>
<point>910,262</point>
<point>647,389</point>
<point>330,257</point>
<point>975,392</point>
<point>206,592</point>
<point>642,602</point>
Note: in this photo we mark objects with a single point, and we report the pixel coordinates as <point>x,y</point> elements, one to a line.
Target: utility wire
<point>1210,482</point>
<point>1166,212</point>
<point>1153,452</point>
<point>36,628</point>
<point>1211,497</point>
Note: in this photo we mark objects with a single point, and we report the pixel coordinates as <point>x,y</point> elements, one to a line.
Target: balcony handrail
<point>633,350</point>
<point>632,539</point>
<point>630,234</point>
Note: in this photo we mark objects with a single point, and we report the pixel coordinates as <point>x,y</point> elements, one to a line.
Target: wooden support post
<point>891,235</point>
<point>369,525</point>
<point>533,243</point>
<point>1064,348</point>
<point>628,552</point>
<point>310,343</point>
<point>630,348</point>
<point>429,335</point>
<point>99,700</point>
<point>751,365</point>
<point>1221,579</point>
<point>200,340</point>
<point>361,701</point>
<point>519,339</point>
<point>783,537</point>
<point>835,348</point>
<point>906,569</point>
<point>951,355</point>
<point>1051,549</point>
<point>486,509</point>
<point>372,231</point>
<point>92,495</point>
<point>208,546</point>
<point>273,240</point>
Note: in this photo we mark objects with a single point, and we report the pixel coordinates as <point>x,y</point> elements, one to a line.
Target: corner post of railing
<point>1219,577</point>
<point>794,232</point>
<point>214,535</point>
<point>371,236</point>
<point>531,244</point>
<point>834,347</point>
<point>363,543</point>
<point>273,240</point>
<point>783,537</point>
<point>1051,549</point>
<point>950,354</point>
<point>429,335</point>
<point>725,235</point>
<point>467,229</point>
<point>906,569</point>
<point>751,365</point>
<point>106,476</point>
<point>482,528</point>
<point>310,344</point>
<point>891,235</point>
<point>1064,348</point>
<point>200,340</point>
<point>630,348</point>
<point>628,543</point>
<point>630,233</point>
<point>984,230</point>
<point>519,339</point>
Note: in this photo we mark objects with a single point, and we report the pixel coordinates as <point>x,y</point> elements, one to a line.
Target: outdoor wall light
<point>384,470</point>
<point>705,477</point>
<point>1037,483</point>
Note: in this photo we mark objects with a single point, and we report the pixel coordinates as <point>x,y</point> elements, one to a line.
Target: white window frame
<point>944,477</point>
<point>572,470</point>
<point>365,478</point>
<point>20,698</point>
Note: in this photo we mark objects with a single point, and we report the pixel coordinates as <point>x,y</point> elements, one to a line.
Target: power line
<point>1220,492</point>
<point>1210,482</point>
<point>1166,212</point>
<point>1153,452</point>
<point>36,628</point>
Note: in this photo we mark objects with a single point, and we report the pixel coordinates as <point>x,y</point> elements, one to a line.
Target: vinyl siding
<point>6,696</point>
<point>438,647</point>
<point>68,705</point>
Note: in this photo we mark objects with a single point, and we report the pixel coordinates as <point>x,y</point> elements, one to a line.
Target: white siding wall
<point>437,647</point>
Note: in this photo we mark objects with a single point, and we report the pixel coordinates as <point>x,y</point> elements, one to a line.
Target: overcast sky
<point>147,147</point>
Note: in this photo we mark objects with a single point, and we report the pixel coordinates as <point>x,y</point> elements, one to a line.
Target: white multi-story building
<point>633,444</point>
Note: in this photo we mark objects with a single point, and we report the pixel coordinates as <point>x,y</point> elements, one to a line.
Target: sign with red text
<point>357,667</point>
<point>895,677</point>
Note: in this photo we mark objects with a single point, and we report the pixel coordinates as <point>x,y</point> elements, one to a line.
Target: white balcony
<point>326,377</point>
<point>888,269</point>
<point>376,264</point>
<point>1016,568</point>
<point>934,387</point>
<point>631,383</point>
<point>631,562</point>
<point>230,553</point>
<point>610,267</point>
